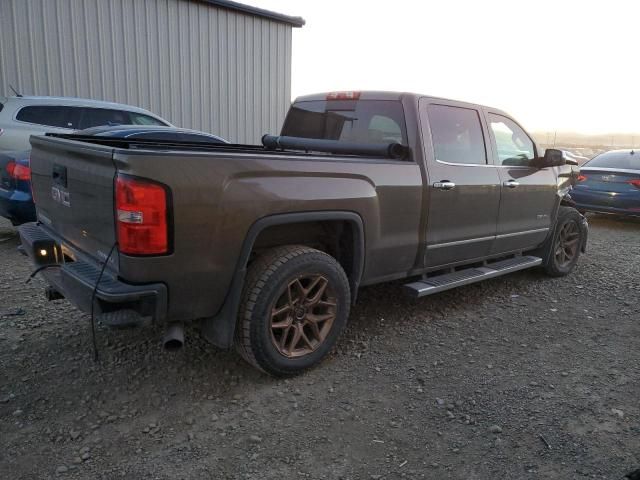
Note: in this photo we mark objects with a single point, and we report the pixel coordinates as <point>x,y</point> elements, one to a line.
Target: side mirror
<point>552,158</point>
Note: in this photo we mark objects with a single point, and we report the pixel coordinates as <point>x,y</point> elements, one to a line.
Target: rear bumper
<point>17,206</point>
<point>76,280</point>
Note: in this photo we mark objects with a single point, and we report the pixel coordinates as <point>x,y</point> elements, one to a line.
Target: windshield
<point>359,121</point>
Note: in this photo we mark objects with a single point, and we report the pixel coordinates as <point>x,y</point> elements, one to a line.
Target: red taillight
<point>33,197</point>
<point>635,183</point>
<point>18,171</point>
<point>582,178</point>
<point>141,216</point>
<point>343,96</point>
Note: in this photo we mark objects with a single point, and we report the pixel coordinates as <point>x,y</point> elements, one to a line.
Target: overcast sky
<point>554,64</point>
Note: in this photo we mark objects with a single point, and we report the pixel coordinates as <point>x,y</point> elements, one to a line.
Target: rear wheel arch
<point>220,328</point>
<point>340,234</point>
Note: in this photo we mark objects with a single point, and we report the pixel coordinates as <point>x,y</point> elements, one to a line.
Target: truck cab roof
<point>384,95</point>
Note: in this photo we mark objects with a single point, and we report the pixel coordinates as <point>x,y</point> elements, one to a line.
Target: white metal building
<point>212,65</point>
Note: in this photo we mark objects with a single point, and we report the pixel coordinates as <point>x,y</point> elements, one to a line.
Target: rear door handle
<point>511,184</point>
<point>444,185</point>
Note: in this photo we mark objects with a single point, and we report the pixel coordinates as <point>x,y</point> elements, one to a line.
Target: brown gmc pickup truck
<point>266,246</point>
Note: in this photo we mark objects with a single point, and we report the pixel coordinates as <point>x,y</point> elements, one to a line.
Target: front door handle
<point>444,185</point>
<point>511,184</point>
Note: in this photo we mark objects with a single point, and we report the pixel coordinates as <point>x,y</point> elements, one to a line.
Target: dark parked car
<point>15,187</point>
<point>153,133</point>
<point>610,183</point>
<point>16,203</point>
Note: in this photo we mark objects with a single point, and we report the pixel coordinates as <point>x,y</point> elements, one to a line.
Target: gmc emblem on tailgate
<point>60,195</point>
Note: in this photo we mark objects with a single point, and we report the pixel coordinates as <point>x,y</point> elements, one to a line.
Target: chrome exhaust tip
<point>174,337</point>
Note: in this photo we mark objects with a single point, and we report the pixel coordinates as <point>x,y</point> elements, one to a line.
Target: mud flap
<point>584,229</point>
<point>219,329</point>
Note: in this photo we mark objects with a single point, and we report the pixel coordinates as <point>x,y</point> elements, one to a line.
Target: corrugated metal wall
<point>196,65</point>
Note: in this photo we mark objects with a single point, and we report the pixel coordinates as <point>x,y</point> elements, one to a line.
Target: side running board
<point>439,283</point>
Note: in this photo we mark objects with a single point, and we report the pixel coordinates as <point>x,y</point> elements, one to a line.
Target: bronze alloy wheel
<point>295,303</point>
<point>567,244</point>
<point>303,315</point>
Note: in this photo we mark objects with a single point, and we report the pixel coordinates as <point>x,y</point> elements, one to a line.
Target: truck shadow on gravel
<point>383,306</point>
<point>9,237</point>
<point>382,311</point>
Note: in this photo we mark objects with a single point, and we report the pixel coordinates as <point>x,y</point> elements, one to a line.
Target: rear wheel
<point>295,304</point>
<point>564,246</point>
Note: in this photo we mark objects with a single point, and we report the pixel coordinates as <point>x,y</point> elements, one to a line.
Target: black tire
<point>564,246</point>
<point>273,280</point>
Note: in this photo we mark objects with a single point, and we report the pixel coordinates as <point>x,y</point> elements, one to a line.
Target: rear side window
<point>142,119</point>
<point>457,135</point>
<point>622,160</point>
<point>360,121</point>
<point>50,115</point>
<point>96,117</point>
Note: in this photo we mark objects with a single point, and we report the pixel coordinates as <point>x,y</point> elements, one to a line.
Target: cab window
<point>457,135</point>
<point>360,121</point>
<point>514,146</point>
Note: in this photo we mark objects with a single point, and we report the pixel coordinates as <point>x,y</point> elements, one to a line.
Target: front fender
<point>567,201</point>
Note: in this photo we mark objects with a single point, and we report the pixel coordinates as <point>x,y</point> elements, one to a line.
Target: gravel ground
<point>521,377</point>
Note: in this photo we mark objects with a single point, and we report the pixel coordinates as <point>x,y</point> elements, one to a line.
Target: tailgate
<point>73,190</point>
